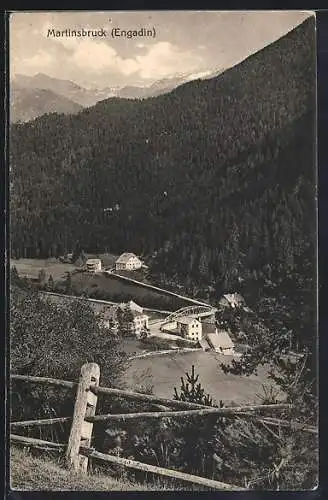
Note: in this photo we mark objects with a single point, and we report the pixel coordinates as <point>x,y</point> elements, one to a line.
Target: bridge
<point>190,311</point>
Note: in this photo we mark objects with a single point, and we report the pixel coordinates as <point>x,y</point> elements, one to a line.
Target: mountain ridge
<point>76,94</point>
<point>215,180</point>
<point>27,103</point>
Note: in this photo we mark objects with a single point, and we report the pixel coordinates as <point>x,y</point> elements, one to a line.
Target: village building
<point>128,262</point>
<point>132,306</point>
<point>190,328</point>
<point>207,328</point>
<point>128,316</point>
<point>93,265</point>
<point>67,258</point>
<point>232,300</point>
<point>221,342</point>
<point>134,320</point>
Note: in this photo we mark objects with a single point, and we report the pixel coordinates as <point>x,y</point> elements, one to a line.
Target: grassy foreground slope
<point>33,473</point>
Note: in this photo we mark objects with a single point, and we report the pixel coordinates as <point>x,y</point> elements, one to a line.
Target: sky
<point>194,43</point>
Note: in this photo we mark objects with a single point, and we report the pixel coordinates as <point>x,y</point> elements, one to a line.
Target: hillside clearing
<point>29,268</point>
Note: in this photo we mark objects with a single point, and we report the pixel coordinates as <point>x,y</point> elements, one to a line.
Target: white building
<point>221,342</point>
<point>127,262</point>
<point>93,265</point>
<point>138,321</point>
<point>128,316</point>
<point>190,328</point>
<point>232,300</point>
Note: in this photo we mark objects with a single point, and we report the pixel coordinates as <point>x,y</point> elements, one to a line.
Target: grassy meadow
<point>164,373</point>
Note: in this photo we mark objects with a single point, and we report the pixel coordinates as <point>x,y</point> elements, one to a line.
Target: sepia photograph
<point>163,317</point>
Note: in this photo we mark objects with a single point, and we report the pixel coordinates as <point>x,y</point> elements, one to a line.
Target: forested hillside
<point>214,182</point>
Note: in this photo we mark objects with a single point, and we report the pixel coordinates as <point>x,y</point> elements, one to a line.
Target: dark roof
<point>208,328</point>
<point>187,320</point>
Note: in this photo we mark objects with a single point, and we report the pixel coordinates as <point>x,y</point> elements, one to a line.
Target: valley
<point>167,232</point>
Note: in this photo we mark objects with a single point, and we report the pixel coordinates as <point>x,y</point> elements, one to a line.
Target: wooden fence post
<point>85,406</point>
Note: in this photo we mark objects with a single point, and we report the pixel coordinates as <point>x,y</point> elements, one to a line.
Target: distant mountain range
<point>33,96</point>
<point>28,103</point>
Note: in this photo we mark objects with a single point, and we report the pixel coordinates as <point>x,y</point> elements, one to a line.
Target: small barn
<point>221,342</point>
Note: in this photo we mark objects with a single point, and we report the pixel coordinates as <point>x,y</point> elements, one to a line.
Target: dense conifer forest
<point>213,183</point>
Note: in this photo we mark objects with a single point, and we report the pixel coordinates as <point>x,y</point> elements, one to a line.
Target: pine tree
<point>42,276</point>
<point>68,283</point>
<point>203,265</point>
<point>15,279</point>
<point>192,391</point>
<point>76,252</point>
<point>125,319</point>
<point>14,276</point>
<point>198,435</point>
<point>51,283</point>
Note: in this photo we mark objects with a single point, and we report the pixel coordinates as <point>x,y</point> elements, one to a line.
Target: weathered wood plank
<point>44,380</point>
<point>85,403</point>
<point>132,464</point>
<point>35,442</point>
<point>161,407</point>
<point>225,412</point>
<point>44,421</point>
<point>292,425</point>
<point>146,397</point>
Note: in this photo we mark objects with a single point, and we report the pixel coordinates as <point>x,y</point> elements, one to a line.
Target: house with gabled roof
<point>136,320</point>
<point>221,342</point>
<point>190,328</point>
<point>128,262</point>
<point>128,316</point>
<point>232,300</point>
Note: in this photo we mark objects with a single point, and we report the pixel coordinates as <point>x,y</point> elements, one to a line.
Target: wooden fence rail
<point>44,380</point>
<point>225,412</point>
<point>145,397</point>
<point>42,421</point>
<point>110,391</point>
<point>182,476</point>
<point>28,441</point>
<point>88,452</point>
<point>78,449</point>
<point>137,396</point>
<point>264,420</point>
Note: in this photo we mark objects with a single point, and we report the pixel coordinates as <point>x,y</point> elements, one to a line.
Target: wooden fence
<point>78,450</point>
